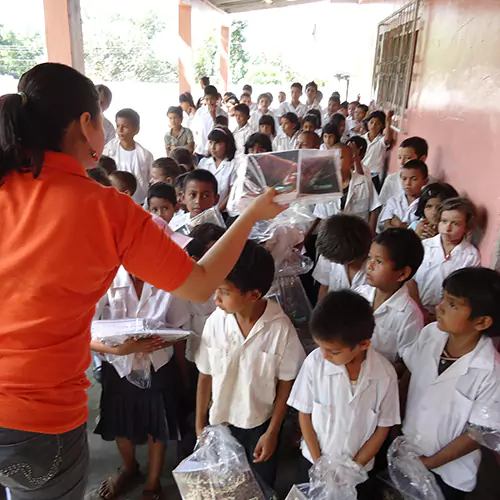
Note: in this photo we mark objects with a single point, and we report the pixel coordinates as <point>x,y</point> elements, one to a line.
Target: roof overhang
<point>235,6</point>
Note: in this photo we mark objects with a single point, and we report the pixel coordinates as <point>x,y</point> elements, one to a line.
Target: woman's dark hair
<point>164,191</point>
<point>332,129</point>
<point>361,144</point>
<point>258,138</point>
<point>187,97</point>
<point>292,118</point>
<point>268,120</point>
<point>439,190</point>
<point>175,110</point>
<point>183,157</point>
<point>51,96</point>
<point>223,134</point>
<point>311,119</point>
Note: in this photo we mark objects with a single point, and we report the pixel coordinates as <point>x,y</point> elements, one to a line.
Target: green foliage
<point>272,71</point>
<point>18,54</point>
<point>238,56</point>
<point>206,58</point>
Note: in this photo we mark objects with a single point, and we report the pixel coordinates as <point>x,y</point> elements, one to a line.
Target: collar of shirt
<point>398,301</point>
<point>63,163</point>
<point>370,142</point>
<point>123,280</point>
<point>182,131</point>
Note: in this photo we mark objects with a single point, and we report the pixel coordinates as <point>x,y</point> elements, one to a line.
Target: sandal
<point>152,494</point>
<point>119,483</point>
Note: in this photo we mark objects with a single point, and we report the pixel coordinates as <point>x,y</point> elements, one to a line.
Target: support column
<point>63,32</point>
<point>224,57</point>
<point>185,61</point>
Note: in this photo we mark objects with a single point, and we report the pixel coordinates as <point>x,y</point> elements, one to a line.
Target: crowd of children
<point>397,285</point>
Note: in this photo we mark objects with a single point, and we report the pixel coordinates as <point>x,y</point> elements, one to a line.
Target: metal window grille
<point>394,58</point>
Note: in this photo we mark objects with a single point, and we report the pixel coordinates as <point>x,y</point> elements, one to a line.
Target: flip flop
<point>119,483</point>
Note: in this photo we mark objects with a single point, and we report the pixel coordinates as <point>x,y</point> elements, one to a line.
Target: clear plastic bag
<point>212,216</point>
<point>289,293</point>
<point>217,470</point>
<point>408,474</point>
<point>484,425</point>
<point>140,372</point>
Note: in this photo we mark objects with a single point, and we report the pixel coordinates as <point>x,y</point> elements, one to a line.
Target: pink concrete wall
<point>455,102</point>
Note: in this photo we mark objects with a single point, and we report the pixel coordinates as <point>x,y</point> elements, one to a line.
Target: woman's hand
<point>264,207</point>
<point>144,346</point>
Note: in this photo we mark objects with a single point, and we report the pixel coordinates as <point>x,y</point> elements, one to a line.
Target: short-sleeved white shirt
<point>362,199</point>
<point>225,174</point>
<point>392,186</point>
<point>245,372</point>
<point>240,137</point>
<point>288,107</point>
<point>344,421</point>
<point>436,267</point>
<point>256,116</point>
<point>398,206</point>
<point>376,153</point>
<point>284,143</point>
<point>202,125</point>
<point>336,277</point>
<point>398,321</point>
<point>109,130</point>
<point>439,406</point>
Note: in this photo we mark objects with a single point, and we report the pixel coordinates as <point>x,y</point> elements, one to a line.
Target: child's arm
<point>373,219</point>
<point>203,397</point>
<point>223,204</point>
<point>323,290</point>
<point>459,447</point>
<point>388,129</point>
<point>372,446</point>
<point>266,446</point>
<point>309,435</point>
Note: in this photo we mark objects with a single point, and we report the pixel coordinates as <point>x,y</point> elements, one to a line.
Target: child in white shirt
<point>311,102</point>
<point>249,356</point>
<point>333,107</point>
<point>454,368</point>
<point>445,253</point>
<point>294,106</point>
<point>346,393</point>
<point>263,109</point>
<point>287,140</point>
<point>267,125</point>
<point>343,245</point>
<point>243,131</point>
<point>123,182</point>
<point>162,201</point>
<point>394,258</point>
<point>105,97</point>
<point>400,209</point>
<point>128,154</point>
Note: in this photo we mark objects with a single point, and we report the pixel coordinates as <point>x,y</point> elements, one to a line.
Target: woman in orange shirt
<point>62,239</point>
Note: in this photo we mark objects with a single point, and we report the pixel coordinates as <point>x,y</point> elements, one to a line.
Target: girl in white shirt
<point>187,104</point>
<point>287,140</point>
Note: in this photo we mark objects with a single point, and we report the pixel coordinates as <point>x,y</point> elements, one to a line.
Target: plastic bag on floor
<point>289,293</point>
<point>217,470</point>
<point>408,474</point>
<point>484,425</point>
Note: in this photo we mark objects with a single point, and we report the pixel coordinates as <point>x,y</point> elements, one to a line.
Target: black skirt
<point>130,412</point>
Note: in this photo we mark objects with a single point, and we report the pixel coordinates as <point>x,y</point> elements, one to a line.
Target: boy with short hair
<point>107,164</point>
<point>346,393</point>
<point>333,107</point>
<point>454,366</point>
<point>249,356</point>
<point>124,182</point>
<point>394,258</point>
<point>400,209</point>
<point>263,103</point>
<point>350,121</point>
<point>359,115</point>
<point>105,97</point>
<point>165,170</point>
<point>308,140</point>
<point>177,135</point>
<point>343,245</point>
<point>294,106</point>
<point>162,201</point>
<point>129,155</point>
<point>248,90</point>
<point>243,131</point>
<point>311,94</point>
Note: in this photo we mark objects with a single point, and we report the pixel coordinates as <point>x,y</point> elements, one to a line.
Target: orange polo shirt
<point>62,239</point>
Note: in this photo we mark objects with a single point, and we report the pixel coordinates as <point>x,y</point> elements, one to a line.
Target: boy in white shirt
<point>346,393</point>
<point>287,140</point>
<point>311,94</point>
<point>162,201</point>
<point>248,90</point>
<point>263,109</point>
<point>394,258</point>
<point>128,154</point>
<point>343,245</point>
<point>333,107</point>
<point>454,368</point>
<point>243,131</point>
<point>294,106</point>
<point>400,209</point>
<point>249,356</point>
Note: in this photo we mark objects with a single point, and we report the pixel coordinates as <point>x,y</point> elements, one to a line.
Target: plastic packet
<point>140,373</point>
<point>408,474</point>
<point>289,293</point>
<point>218,469</point>
<point>212,216</point>
<point>484,425</point>
<point>299,492</point>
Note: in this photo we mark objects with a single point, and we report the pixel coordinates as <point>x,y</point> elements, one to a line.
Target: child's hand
<point>390,114</point>
<point>396,222</point>
<point>266,446</point>
<point>145,346</point>
<point>428,231</point>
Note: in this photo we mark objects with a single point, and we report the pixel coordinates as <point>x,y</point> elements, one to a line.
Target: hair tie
<point>221,130</point>
<point>24,98</point>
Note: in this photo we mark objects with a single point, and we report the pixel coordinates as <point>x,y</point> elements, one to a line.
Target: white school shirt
<point>240,137</point>
<point>225,174</point>
<point>392,186</point>
<point>336,277</point>
<point>202,125</point>
<point>109,130</point>
<point>398,206</point>
<point>199,314</point>
<point>284,143</point>
<point>343,418</point>
<point>187,119</point>
<point>316,106</point>
<point>139,163</point>
<point>398,321</point>
<point>288,107</point>
<point>362,199</point>
<point>435,268</point>
<point>256,116</point>
<point>439,406</point>
<point>376,153</point>
<point>245,372</point>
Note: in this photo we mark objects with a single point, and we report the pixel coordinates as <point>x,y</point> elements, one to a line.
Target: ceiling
<point>233,6</point>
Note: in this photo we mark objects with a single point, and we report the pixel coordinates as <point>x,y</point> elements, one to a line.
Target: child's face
<point>351,109</point>
<point>431,211</point>
<point>311,93</point>
<point>264,103</point>
<point>295,93</point>
<point>338,353</point>
<point>211,101</point>
<point>413,181</point>
<point>380,271</point>
<point>308,127</point>
<point>453,226</point>
<point>266,129</point>
<point>231,300</point>
<point>162,208</point>
<point>199,196</point>
<point>282,97</point>
<point>405,155</point>
<point>333,107</point>
<point>288,127</point>
<point>175,120</point>
<point>306,142</point>
<point>230,108</point>
<point>329,140</point>
<point>241,118</point>
<point>157,175</point>
<point>184,106</point>
<point>453,315</point>
<point>257,148</point>
<point>359,114</point>
<point>246,100</point>
<point>375,126</point>
<point>125,130</point>
<point>341,127</point>
<point>218,149</point>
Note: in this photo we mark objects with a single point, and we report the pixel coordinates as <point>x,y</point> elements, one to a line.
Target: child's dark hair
<point>312,84</point>
<point>245,94</point>
<point>242,108</point>
<point>201,175</point>
<point>343,316</point>
<point>130,115</point>
<point>332,129</point>
<point>180,182</point>
<point>169,167</point>
<point>105,92</point>
<point>418,145</point>
<point>439,190</point>
<point>248,89</point>
<point>337,119</point>
<point>344,238</point>
<point>205,234</point>
<point>268,120</point>
<point>205,80</point>
<point>317,114</point>
<point>221,120</point>
<point>314,137</point>
<point>99,175</point>
<point>182,156</point>
<point>233,100</point>
<point>292,118</point>
<point>175,110</point>
<point>404,248</point>
<point>345,105</point>
<point>126,179</point>
<point>364,107</point>
<point>51,97</point>
<point>265,95</point>
<point>417,165</point>
<point>356,103</point>
<point>223,134</point>
<point>164,191</point>
<point>462,205</point>
<point>258,138</point>
<point>296,85</point>
<point>107,163</point>
<point>361,144</point>
<point>480,287</point>
<point>187,97</point>
<point>379,115</point>
<point>334,99</point>
<point>243,275</point>
<point>210,90</point>
<point>310,118</point>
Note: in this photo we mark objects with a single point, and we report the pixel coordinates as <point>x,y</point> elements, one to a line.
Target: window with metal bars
<point>394,59</point>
